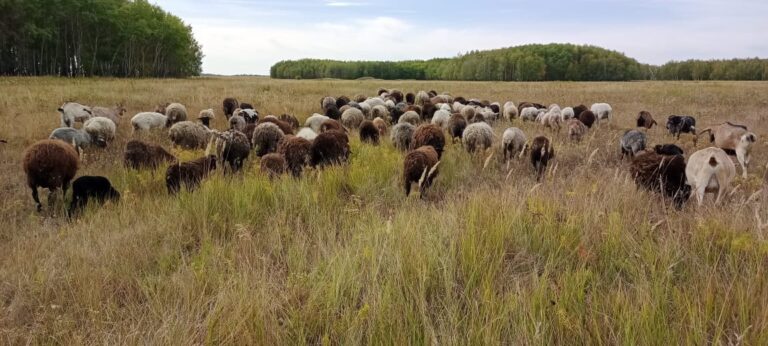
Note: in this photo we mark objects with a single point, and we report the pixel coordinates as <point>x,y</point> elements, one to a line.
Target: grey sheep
<point>189,135</point>
<point>631,143</point>
<point>401,135</point>
<point>477,136</point>
<point>266,138</point>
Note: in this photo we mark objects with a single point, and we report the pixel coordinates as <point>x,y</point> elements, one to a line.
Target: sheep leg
<point>743,164</point>
<point>36,197</point>
<point>700,191</point>
<point>51,197</point>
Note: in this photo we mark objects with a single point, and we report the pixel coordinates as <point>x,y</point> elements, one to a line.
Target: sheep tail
<point>713,161</point>
<point>525,146</point>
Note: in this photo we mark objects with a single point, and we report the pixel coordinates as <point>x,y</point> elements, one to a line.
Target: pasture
<point>340,256</point>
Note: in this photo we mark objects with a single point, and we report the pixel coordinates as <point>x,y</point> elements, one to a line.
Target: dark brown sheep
<point>397,95</point>
<point>524,105</point>
<point>382,91</point>
<point>644,119</point>
<point>668,149</point>
<point>410,98</point>
<point>229,105</point>
<point>587,118</point>
<point>89,187</point>
<point>341,101</point>
<point>429,134</point>
<point>333,112</point>
<point>578,109</point>
<point>369,133</point>
<point>420,166</point>
<point>273,165</point>
<point>460,99</point>
<point>296,151</point>
<point>248,131</point>
<point>329,148</point>
<point>246,106</point>
<point>541,153</point>
<point>291,120</point>
<point>359,98</point>
<point>284,126</point>
<point>140,155</point>
<point>662,174</point>
<point>331,124</point>
<point>233,147</point>
<point>495,107</point>
<point>49,164</point>
<point>432,93</point>
<point>456,125</point>
<point>427,111</point>
<point>189,173</point>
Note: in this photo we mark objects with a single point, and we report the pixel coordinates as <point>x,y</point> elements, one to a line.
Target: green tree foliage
<point>734,69</point>
<point>124,38</point>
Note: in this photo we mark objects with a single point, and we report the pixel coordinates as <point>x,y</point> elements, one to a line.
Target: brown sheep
<point>369,133</point>
<point>291,120</point>
<point>331,124</point>
<point>460,99</point>
<point>397,95</point>
<point>359,98</point>
<point>541,152</point>
<point>329,148</point>
<point>229,105</point>
<point>576,129</point>
<point>644,119</point>
<point>248,130</point>
<point>410,98</point>
<point>456,125</point>
<point>381,125</point>
<point>587,118</point>
<point>578,109</point>
<point>296,151</point>
<point>49,164</point>
<point>341,101</point>
<point>429,134</point>
<point>273,165</point>
<point>284,126</point>
<point>189,173</point>
<point>140,155</point>
<point>333,112</point>
<point>662,174</point>
<point>420,166</point>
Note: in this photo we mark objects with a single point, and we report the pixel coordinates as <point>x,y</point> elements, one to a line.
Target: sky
<point>249,36</point>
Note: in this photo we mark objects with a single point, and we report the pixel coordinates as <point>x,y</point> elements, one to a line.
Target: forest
<point>535,62</point>
<point>74,38</point>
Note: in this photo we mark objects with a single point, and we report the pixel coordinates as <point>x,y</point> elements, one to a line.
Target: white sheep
<point>410,117</point>
<point>379,111</point>
<point>307,133</point>
<point>568,113</point>
<point>422,97</point>
<point>710,170</point>
<point>352,118</point>
<point>552,118</point>
<point>189,135</point>
<point>603,111</point>
<point>315,122</point>
<point>72,112</point>
<point>441,118</point>
<point>510,110</point>
<point>100,128</point>
<point>457,107</point>
<point>530,113</point>
<point>148,120</point>
<point>512,143</point>
<point>477,136</point>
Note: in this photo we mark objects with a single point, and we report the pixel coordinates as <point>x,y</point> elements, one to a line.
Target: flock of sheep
<point>415,122</point>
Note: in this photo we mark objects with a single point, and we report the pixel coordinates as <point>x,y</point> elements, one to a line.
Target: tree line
<point>121,38</point>
<point>535,62</point>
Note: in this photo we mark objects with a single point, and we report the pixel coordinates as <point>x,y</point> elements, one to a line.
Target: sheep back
<point>429,134</point>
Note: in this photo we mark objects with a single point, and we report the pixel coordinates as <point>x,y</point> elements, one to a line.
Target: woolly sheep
<point>89,187</point>
<point>307,133</point>
<point>189,174</point>
<point>101,129</point>
<point>587,118</point>
<point>176,112</point>
<point>273,165</point>
<point>576,129</point>
<point>114,113</point>
<point>331,124</point>
<point>265,138</point>
<point>410,117</point>
<point>72,112</point>
<point>552,118</point>
<point>603,111</point>
<point>512,142</point>
<point>351,118</point>
<point>381,125</point>
<point>369,133</point>
<point>631,143</point>
<point>567,113</point>
<point>530,113</point>
<point>420,166</point>
<point>468,112</point>
<point>710,170</point>
<point>149,120</point>
<point>441,118</point>
<point>327,102</point>
<point>140,155</point>
<point>456,126</point>
<point>229,105</point>
<point>49,164</point>
<point>541,153</point>
<point>379,111</point>
<point>510,110</point>
<point>662,174</point>
<point>578,109</point>
<point>429,134</point>
<point>677,124</point>
<point>290,120</point>
<point>668,149</point>
<point>79,138</point>
<point>477,137</point>
<point>315,121</point>
<point>330,148</point>
<point>297,153</point>
<point>189,135</point>
<point>284,126</point>
<point>401,135</point>
<point>645,119</point>
<point>233,147</point>
<point>205,117</point>
<point>421,98</point>
<point>251,116</point>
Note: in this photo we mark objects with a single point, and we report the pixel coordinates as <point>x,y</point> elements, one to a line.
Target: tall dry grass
<point>340,256</point>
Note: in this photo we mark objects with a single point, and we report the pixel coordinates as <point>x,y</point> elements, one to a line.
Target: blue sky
<point>248,36</point>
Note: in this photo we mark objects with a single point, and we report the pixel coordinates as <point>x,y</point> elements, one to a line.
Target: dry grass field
<point>342,257</point>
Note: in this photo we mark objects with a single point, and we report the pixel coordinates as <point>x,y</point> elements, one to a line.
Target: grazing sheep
<point>603,111</point>
<point>91,187</point>
<point>335,113</point>
<point>587,118</point>
<point>341,101</point>
<point>422,97</point>
<point>79,138</point>
<point>176,112</point>
<point>662,174</point>
<point>568,113</point>
<point>397,95</point>
<point>397,112</point>
<point>189,174</point>
<point>205,117</point>
<point>429,134</point>
<point>401,135</point>
<point>351,118</point>
<point>315,122</point>
<point>457,107</point>
<point>160,108</point>
<point>49,164</point>
<point>307,133</point>
<point>631,143</point>
<point>381,125</point>
<point>331,124</point>
<point>468,112</point>
<point>379,111</point>
<point>523,105</point>
<point>330,148</point>
<point>495,107</point>
<point>148,121</point>
<point>579,109</point>
<point>485,114</point>
<point>441,118</point>
<point>410,117</point>
<point>512,142</point>
<point>359,98</point>
<point>273,165</point>
<point>576,129</point>
<point>251,116</point>
<point>248,131</point>
<point>101,129</point>
<point>290,120</point>
<point>189,135</point>
<point>645,119</point>
<point>115,113</point>
<point>369,133</point>
<point>140,155</point>
<point>531,113</point>
<point>420,166</point>
<point>668,149</point>
<point>365,108</point>
<point>477,137</point>
<point>327,101</point>
<point>229,105</point>
<point>284,126</point>
<point>460,99</point>
<point>245,105</point>
<point>297,153</point>
<point>677,124</point>
<point>233,147</point>
<point>374,101</point>
<point>541,152</point>
<point>710,170</point>
<point>734,140</point>
<point>428,111</point>
<point>552,118</point>
<point>72,112</point>
<point>266,138</point>
<point>456,126</point>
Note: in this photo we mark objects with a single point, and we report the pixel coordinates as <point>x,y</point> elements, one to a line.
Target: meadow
<point>341,256</point>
